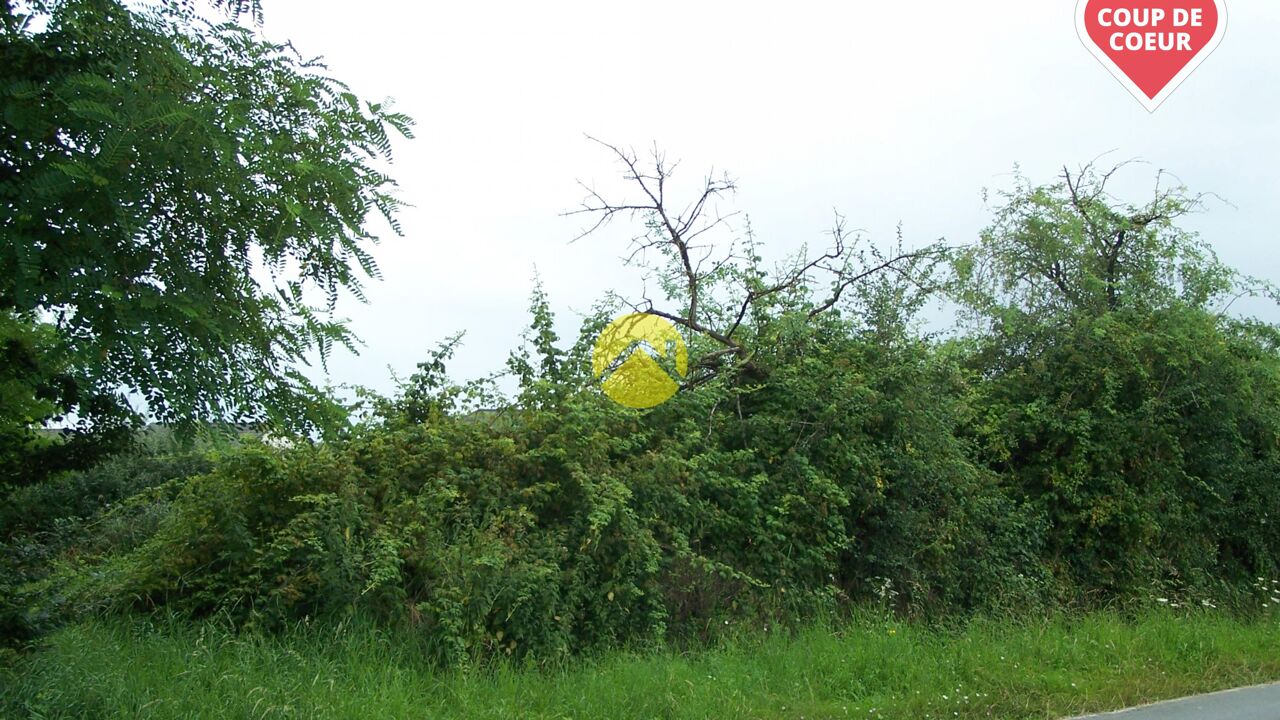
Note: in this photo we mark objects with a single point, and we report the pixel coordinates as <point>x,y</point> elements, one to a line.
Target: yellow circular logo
<point>635,357</point>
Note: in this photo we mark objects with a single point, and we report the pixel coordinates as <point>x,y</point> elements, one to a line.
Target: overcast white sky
<point>888,112</point>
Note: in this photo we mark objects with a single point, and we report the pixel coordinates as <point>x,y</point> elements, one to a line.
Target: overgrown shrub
<point>1102,431</point>
<point>1117,397</point>
<point>564,521</point>
<point>72,519</point>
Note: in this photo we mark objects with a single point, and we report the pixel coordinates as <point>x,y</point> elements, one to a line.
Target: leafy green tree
<point>1115,395</point>
<point>1070,248</point>
<point>182,203</point>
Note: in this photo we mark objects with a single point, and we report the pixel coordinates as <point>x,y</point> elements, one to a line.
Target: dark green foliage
<point>1103,433</point>
<point>173,193</point>
<point>73,518</point>
<point>448,526</point>
<point>1118,400</point>
<point>35,379</point>
<point>563,521</point>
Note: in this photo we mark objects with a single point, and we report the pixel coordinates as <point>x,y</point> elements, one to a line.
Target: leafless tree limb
<point>694,269</point>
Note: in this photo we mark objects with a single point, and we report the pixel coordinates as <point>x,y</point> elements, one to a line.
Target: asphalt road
<point>1260,702</point>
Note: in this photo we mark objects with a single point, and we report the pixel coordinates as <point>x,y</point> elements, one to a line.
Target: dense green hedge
<point>549,530</point>
<point>1098,434</point>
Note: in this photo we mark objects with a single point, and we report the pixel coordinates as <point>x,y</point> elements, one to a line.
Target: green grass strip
<point>865,668</point>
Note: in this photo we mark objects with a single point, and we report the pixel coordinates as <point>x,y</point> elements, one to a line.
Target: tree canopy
<point>181,205</point>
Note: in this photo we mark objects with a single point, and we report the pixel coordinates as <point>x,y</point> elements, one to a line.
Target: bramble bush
<point>563,521</point>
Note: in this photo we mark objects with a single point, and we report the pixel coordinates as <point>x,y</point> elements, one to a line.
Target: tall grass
<point>866,668</point>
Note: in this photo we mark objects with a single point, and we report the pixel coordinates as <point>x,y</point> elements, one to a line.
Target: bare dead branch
<point>695,271</point>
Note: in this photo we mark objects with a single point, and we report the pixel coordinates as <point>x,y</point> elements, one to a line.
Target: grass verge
<point>865,668</point>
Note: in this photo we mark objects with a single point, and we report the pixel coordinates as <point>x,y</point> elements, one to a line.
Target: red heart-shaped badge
<point>1151,46</point>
